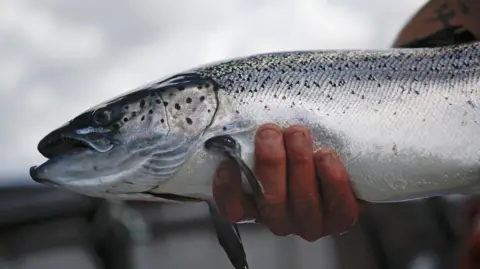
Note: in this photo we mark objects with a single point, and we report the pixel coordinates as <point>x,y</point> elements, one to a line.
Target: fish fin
<point>229,238</point>
<point>183,79</point>
<point>227,145</point>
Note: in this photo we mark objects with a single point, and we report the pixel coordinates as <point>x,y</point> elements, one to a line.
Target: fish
<point>404,121</point>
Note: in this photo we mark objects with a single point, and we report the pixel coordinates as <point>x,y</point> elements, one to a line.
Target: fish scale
<point>396,117</point>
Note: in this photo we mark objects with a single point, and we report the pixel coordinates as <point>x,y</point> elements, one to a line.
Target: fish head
<point>130,144</point>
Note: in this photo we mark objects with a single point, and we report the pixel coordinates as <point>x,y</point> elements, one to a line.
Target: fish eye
<point>102,116</point>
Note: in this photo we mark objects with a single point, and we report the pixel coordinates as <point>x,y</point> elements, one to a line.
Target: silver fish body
<point>405,122</point>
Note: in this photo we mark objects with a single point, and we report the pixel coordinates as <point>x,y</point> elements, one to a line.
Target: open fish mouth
<point>61,145</point>
<point>56,146</point>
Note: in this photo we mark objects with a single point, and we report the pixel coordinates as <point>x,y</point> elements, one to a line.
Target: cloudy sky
<point>60,57</point>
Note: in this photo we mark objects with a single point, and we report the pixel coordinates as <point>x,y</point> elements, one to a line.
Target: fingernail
<point>269,134</point>
<point>297,138</point>
<point>321,151</point>
<point>325,155</point>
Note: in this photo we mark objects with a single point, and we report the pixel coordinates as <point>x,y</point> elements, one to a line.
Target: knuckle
<point>272,159</point>
<point>304,207</point>
<point>311,236</point>
<point>300,157</point>
<point>299,148</point>
<point>273,201</point>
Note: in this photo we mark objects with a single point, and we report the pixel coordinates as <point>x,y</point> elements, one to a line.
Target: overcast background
<point>58,57</point>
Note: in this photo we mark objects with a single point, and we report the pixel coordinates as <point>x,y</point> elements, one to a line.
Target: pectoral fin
<point>229,238</point>
<point>227,145</point>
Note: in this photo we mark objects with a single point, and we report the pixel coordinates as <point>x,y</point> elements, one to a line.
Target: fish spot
<point>189,100</point>
<point>209,110</point>
<point>134,113</point>
<point>177,106</point>
<point>125,107</point>
<point>162,120</point>
<point>165,103</point>
<point>150,112</point>
<point>157,101</point>
<point>181,88</point>
<point>125,119</point>
<point>199,87</point>
<point>189,120</point>
<point>143,118</point>
<point>224,128</point>
<point>142,103</point>
<point>470,103</point>
<point>207,85</point>
<point>116,126</point>
<point>202,98</point>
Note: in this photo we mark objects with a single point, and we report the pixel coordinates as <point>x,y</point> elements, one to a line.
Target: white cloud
<point>44,35</point>
<point>12,70</point>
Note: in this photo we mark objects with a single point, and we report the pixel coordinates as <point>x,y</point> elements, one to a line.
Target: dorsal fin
<point>182,81</point>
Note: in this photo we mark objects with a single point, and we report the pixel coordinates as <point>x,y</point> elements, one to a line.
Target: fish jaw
<point>90,172</point>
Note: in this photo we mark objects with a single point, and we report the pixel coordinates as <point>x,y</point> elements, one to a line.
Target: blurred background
<point>60,57</point>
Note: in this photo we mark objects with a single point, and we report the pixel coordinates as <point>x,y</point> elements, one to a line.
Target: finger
<point>304,198</point>
<point>231,201</point>
<point>270,168</point>
<point>340,206</point>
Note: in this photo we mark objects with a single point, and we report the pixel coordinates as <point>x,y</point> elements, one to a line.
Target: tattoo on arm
<point>447,11</point>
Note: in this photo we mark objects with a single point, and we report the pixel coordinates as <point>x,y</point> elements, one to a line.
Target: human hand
<point>307,193</point>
